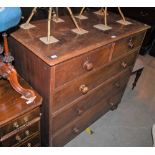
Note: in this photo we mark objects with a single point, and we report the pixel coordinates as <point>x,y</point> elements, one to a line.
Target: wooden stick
<point>121,13</point>
<point>81,11</point>
<point>75,22</point>
<point>6,48</point>
<point>105,16</point>
<point>31,15</point>
<point>49,24</point>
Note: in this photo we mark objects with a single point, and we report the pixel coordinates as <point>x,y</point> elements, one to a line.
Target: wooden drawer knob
<point>75,130</point>
<point>79,112</point>
<point>131,44</point>
<point>29,144</point>
<point>18,138</point>
<point>88,66</point>
<point>124,64</point>
<point>117,84</point>
<point>27,132</point>
<point>26,119</point>
<point>15,125</point>
<point>84,89</point>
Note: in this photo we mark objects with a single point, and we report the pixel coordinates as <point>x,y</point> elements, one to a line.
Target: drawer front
<point>81,86</point>
<point>112,86</point>
<point>22,135</point>
<point>73,129</point>
<point>127,44</point>
<point>19,122</point>
<point>75,67</point>
<point>34,141</point>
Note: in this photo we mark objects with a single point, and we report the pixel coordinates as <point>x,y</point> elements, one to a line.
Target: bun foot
<point>113,106</point>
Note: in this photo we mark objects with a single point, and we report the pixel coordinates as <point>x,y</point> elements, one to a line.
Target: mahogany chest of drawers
<point>81,77</point>
<point>19,121</point>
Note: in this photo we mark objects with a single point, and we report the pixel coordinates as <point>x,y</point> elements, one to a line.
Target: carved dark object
<point>7,71</point>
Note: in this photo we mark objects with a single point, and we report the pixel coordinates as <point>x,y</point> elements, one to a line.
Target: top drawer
<point>19,122</point>
<point>69,70</point>
<point>127,44</point>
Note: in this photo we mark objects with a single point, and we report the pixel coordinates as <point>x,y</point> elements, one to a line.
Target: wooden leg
<point>113,106</point>
<point>138,74</point>
<point>7,56</point>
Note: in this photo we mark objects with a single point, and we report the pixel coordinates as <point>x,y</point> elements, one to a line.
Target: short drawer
<point>34,141</point>
<point>75,67</point>
<point>21,136</point>
<point>112,86</point>
<point>82,85</point>
<point>126,45</point>
<point>72,130</point>
<point>19,122</point>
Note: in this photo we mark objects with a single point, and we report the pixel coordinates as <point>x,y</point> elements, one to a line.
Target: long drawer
<point>20,136</point>
<point>127,44</point>
<point>34,141</point>
<point>82,85</point>
<point>75,67</point>
<point>19,122</point>
<point>111,86</point>
<point>77,126</point>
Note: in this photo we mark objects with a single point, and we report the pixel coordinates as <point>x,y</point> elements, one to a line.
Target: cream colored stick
<point>57,13</point>
<point>31,15</point>
<point>75,22</point>
<point>105,16</point>
<point>49,24</point>
<point>121,13</point>
<point>81,11</point>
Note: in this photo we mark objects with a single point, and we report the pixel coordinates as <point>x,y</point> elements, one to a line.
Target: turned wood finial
<point>6,47</point>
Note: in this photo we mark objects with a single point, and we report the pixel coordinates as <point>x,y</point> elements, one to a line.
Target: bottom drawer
<point>33,142</point>
<point>74,128</point>
<point>22,135</point>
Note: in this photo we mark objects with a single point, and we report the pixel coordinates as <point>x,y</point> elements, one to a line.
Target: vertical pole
<point>49,24</point>
<point>57,13</point>
<point>6,48</point>
<point>105,16</point>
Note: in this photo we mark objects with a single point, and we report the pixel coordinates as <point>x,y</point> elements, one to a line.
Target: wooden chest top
<point>11,103</point>
<point>71,44</point>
